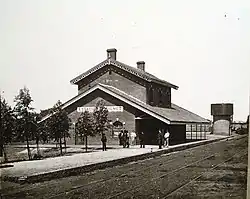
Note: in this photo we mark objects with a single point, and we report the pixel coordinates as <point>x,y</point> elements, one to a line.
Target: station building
<point>136,100</point>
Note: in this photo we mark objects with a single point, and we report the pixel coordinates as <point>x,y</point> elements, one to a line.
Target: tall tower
<point>222,118</point>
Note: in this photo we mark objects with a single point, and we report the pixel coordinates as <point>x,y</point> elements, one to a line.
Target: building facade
<point>137,101</point>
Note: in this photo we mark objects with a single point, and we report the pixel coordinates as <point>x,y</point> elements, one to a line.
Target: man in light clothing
<point>132,137</point>
<point>166,137</point>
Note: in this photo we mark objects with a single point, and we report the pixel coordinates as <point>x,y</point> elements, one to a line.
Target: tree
<point>24,115</point>
<point>84,126</point>
<point>37,130</point>
<point>42,126</point>
<point>44,112</point>
<point>58,124</point>
<point>7,125</point>
<point>100,117</point>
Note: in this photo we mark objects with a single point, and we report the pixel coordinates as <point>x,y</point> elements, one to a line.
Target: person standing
<point>120,138</point>
<point>127,138</point>
<point>104,141</point>
<point>160,139</point>
<point>166,138</point>
<point>124,139</point>
<point>142,139</point>
<point>132,136</point>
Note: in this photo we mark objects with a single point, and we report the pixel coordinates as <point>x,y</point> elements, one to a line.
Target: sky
<point>201,46</point>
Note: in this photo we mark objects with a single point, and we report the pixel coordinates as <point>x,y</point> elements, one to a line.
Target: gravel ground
<point>199,172</point>
<point>226,181</point>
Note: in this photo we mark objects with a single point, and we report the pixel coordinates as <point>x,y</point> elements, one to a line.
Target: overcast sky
<point>190,43</point>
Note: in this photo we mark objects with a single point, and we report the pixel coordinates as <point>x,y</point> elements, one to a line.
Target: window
<point>110,72</point>
<point>150,96</point>
<point>160,97</point>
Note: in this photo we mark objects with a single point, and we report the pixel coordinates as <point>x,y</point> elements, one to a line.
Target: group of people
<point>163,139</point>
<point>124,138</point>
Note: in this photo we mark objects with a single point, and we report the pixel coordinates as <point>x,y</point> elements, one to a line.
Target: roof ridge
<point>91,70</point>
<point>131,69</point>
<point>150,77</point>
<point>138,72</point>
<point>105,85</point>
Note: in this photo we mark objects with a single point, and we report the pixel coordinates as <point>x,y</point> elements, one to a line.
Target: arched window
<point>117,124</point>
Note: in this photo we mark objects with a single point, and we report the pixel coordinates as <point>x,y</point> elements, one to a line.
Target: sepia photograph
<point>124,99</point>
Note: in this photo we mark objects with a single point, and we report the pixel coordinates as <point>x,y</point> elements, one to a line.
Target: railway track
<point>203,160</point>
<point>130,193</point>
<point>199,176</point>
<point>126,169</point>
<point>139,172</point>
<point>161,176</point>
<point>130,171</point>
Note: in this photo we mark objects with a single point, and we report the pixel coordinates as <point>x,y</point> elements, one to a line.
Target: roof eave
<point>166,84</point>
<point>72,82</point>
<point>190,122</point>
<point>99,86</point>
<point>76,80</point>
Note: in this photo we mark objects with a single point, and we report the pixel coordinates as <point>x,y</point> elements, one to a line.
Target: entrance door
<point>150,127</point>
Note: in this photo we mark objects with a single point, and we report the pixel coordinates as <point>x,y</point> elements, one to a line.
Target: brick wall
<point>117,78</point>
<point>128,115</point>
<point>151,93</point>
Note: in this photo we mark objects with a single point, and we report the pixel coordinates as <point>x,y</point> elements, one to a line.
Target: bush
<point>37,157</point>
<point>242,131</point>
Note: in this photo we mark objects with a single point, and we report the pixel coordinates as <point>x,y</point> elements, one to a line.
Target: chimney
<point>141,65</point>
<point>111,53</point>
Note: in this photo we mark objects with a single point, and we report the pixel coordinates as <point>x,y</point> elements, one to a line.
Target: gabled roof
<point>172,115</point>
<point>175,114</point>
<point>135,71</point>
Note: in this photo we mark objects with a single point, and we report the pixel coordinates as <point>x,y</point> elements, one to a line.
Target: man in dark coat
<point>127,138</point>
<point>104,141</point>
<point>120,138</point>
<point>142,139</point>
<point>160,139</point>
<point>124,139</point>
